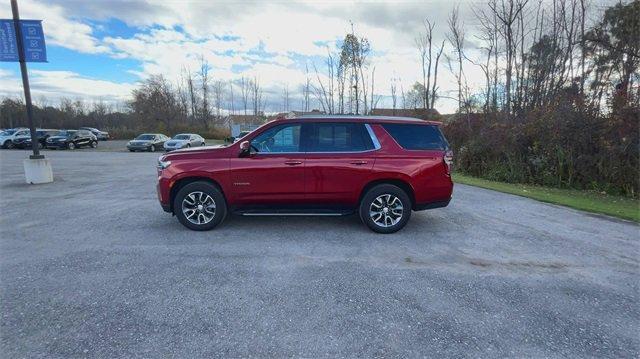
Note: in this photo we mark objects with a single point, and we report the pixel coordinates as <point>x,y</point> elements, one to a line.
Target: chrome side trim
<point>374,138</point>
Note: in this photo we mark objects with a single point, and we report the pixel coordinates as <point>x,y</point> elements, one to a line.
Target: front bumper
<point>169,148</point>
<point>139,147</point>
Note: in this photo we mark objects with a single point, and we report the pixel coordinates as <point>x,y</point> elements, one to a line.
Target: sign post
<point>29,46</point>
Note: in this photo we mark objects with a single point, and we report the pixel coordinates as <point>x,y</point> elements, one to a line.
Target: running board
<point>293,212</point>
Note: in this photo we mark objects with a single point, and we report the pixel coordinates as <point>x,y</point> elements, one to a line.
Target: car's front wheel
<point>71,146</point>
<point>94,144</point>
<point>385,208</point>
<point>200,206</point>
<point>8,144</point>
<point>152,148</point>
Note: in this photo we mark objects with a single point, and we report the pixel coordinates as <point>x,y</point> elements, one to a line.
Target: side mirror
<point>245,148</point>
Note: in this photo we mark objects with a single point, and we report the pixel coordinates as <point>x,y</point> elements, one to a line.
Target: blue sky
<point>100,50</point>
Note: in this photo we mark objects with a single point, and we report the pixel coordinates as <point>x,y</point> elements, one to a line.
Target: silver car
<point>184,140</point>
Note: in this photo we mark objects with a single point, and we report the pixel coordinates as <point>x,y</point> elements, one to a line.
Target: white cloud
<point>269,40</point>
<point>58,84</point>
<point>59,29</point>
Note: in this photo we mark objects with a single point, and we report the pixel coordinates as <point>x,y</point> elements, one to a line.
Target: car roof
<point>361,118</point>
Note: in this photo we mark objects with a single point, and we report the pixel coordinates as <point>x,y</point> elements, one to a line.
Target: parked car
<point>7,137</point>
<point>184,140</point>
<point>72,139</point>
<point>381,168</point>
<point>100,135</point>
<point>41,134</point>
<point>147,142</point>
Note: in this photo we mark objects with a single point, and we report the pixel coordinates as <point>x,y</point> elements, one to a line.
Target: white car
<point>7,137</point>
<point>183,140</point>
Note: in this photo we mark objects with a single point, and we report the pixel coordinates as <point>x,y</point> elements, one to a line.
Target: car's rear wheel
<point>200,206</point>
<point>385,208</point>
<point>188,145</point>
<point>71,146</point>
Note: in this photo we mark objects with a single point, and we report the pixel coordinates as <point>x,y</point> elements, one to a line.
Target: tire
<point>386,197</point>
<point>94,144</point>
<point>132,151</point>
<point>152,148</point>
<point>40,146</point>
<point>71,146</point>
<point>188,145</point>
<point>199,192</point>
<point>8,144</point>
<point>202,144</point>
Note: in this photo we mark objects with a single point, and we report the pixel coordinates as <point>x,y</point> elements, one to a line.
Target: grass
<point>590,201</point>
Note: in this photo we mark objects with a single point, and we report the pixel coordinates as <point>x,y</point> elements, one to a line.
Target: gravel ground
<point>92,267</point>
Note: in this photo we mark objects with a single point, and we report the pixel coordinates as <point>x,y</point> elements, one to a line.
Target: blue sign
<point>35,49</point>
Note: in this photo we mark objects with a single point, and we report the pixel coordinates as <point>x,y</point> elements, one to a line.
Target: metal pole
<point>25,81</point>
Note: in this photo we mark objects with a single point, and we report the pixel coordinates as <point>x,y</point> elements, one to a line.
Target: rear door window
<point>417,137</point>
<point>340,137</point>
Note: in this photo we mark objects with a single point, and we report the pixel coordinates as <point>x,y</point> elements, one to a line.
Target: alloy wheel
<point>199,208</point>
<point>386,210</point>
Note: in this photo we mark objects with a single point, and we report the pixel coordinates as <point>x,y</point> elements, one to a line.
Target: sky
<point>101,50</point>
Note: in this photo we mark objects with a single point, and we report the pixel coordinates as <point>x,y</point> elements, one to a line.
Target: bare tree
<point>245,92</point>
<point>205,111</point>
<point>456,38</point>
<point>394,95</point>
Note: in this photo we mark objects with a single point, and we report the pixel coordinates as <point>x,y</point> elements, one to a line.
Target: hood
<point>218,151</point>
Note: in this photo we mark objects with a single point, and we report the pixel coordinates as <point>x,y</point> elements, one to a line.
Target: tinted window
<point>417,137</point>
<point>284,138</point>
<point>340,137</point>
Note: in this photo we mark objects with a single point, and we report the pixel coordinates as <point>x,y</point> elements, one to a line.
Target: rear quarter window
<point>417,137</point>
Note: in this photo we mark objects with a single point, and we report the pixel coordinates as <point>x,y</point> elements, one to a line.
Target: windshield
<point>66,133</point>
<point>181,137</point>
<point>7,132</point>
<point>145,137</point>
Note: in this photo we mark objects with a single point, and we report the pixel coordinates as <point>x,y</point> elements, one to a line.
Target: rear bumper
<point>431,205</point>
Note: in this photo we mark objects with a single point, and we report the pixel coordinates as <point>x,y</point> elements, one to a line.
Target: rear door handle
<point>359,163</point>
<point>293,163</point>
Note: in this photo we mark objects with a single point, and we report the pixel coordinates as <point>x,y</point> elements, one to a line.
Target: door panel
<point>268,178</point>
<point>274,171</point>
<point>339,162</point>
<point>332,179</point>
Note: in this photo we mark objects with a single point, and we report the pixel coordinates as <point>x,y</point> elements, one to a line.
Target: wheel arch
<point>185,181</point>
<point>404,185</point>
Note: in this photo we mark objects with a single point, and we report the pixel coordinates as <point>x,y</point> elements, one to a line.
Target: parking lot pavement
<point>91,266</point>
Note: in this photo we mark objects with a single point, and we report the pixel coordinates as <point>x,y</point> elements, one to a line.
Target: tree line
<point>558,104</point>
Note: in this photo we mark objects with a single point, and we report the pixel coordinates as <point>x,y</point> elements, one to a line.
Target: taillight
<point>448,160</point>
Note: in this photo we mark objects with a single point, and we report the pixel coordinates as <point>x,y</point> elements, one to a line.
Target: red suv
<point>380,167</point>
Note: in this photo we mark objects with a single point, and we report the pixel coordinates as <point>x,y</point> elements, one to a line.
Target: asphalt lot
<point>92,267</point>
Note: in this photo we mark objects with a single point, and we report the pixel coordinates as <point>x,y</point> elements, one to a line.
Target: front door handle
<point>293,163</point>
<point>359,162</point>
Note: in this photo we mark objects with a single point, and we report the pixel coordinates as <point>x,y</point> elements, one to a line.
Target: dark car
<point>147,142</point>
<point>72,139</point>
<point>380,168</point>
<point>100,135</point>
<point>41,134</point>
